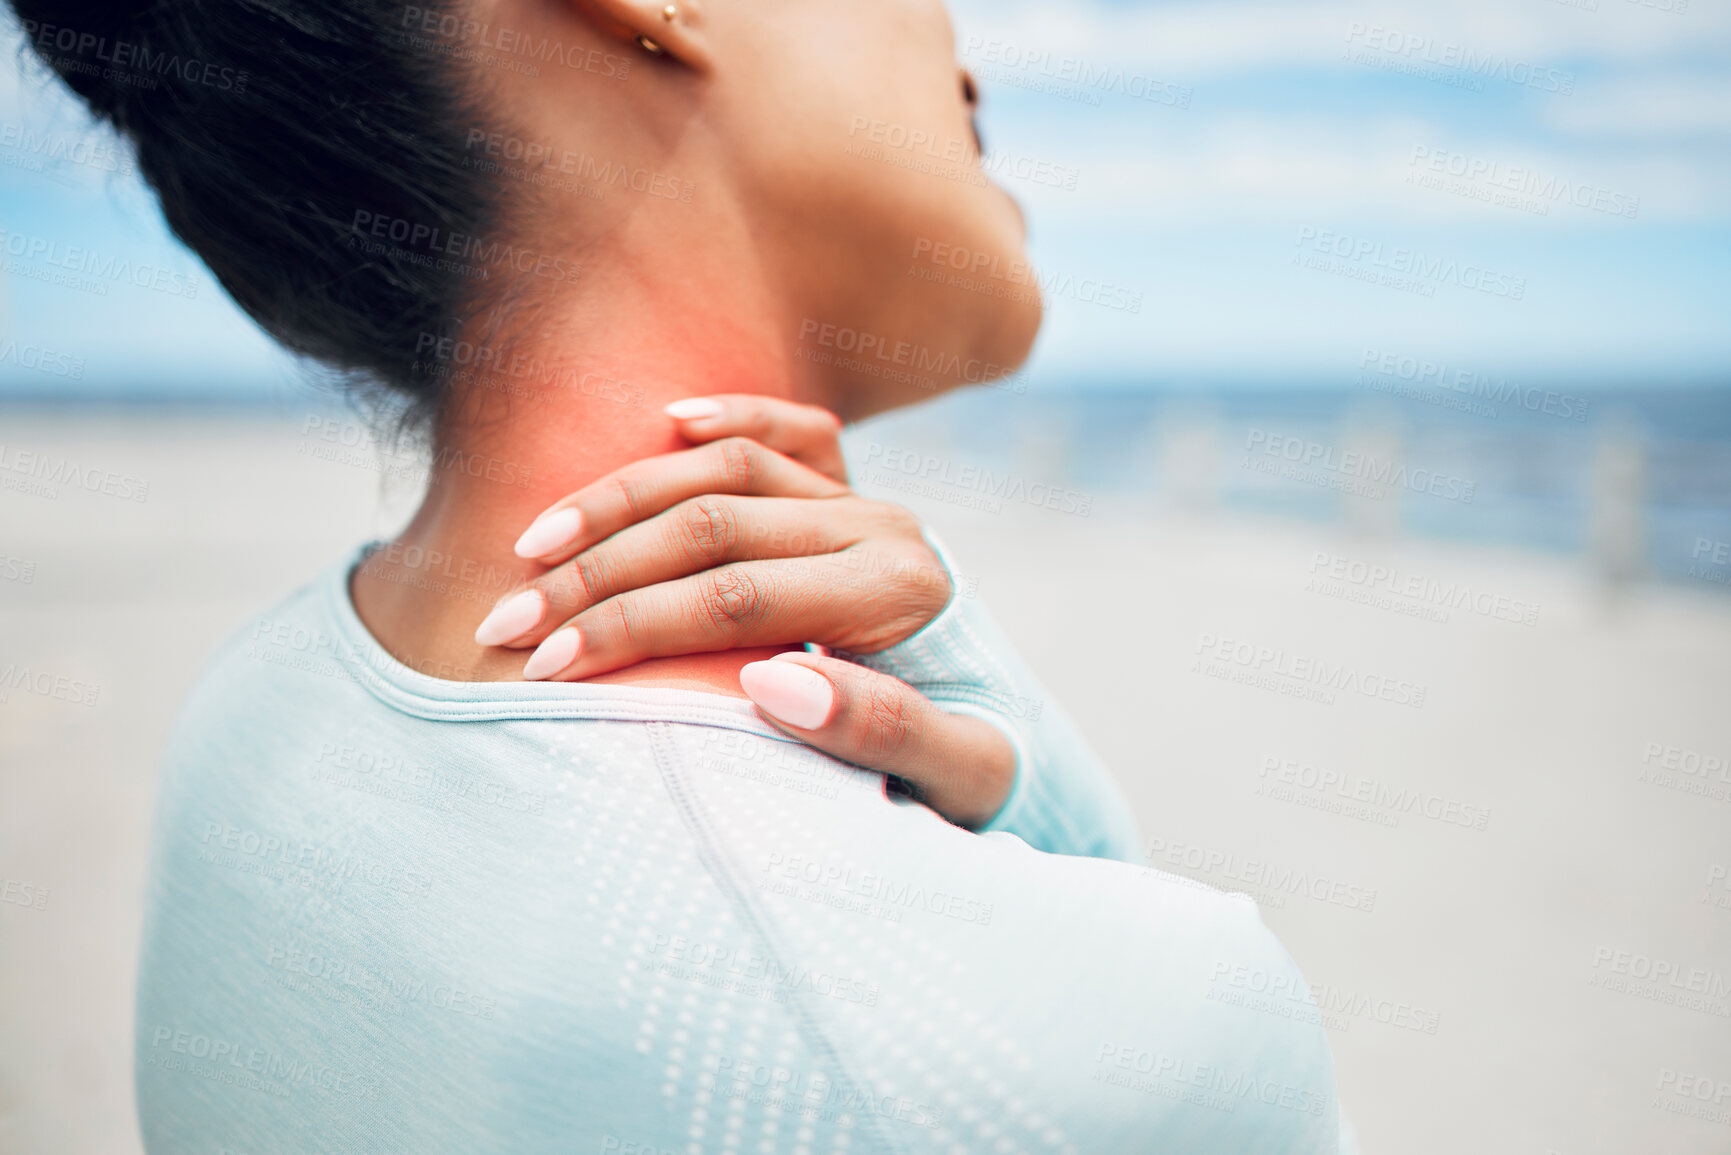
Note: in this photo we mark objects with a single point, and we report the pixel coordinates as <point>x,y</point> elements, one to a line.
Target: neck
<point>527,427</point>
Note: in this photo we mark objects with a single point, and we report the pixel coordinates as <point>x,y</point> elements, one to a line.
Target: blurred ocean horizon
<point>1637,481</point>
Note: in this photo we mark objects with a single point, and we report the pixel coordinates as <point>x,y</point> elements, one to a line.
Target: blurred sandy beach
<point>1505,877</point>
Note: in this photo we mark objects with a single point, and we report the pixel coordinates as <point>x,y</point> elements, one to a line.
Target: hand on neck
<point>532,419</point>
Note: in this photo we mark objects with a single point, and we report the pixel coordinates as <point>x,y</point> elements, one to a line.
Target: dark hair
<point>270,129</point>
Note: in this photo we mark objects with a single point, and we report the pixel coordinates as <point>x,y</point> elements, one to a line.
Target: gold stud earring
<point>669,14</point>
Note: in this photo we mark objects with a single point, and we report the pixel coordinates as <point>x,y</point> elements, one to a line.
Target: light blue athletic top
<point>397,915</point>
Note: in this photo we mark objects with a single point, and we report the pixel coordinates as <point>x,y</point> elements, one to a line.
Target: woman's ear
<point>672,29</point>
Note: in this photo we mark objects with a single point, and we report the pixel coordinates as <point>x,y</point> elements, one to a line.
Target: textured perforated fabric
<point>390,913</point>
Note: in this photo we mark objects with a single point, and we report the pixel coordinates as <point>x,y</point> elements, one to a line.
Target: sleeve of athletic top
<point>1064,800</point>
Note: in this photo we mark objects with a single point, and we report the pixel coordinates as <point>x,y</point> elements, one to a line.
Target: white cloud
<point>1257,168</point>
<point>1194,39</point>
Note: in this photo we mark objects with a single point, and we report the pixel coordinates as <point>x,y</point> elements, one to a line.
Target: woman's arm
<point>1063,799</point>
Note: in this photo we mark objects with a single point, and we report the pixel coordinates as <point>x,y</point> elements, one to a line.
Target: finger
<point>827,591</point>
<point>856,553</point>
<point>646,488</point>
<point>698,534</point>
<point>745,604</point>
<point>959,765</point>
<point>809,434</point>
<point>761,602</point>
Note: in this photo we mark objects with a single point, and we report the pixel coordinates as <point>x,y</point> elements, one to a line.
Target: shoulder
<point>276,666</point>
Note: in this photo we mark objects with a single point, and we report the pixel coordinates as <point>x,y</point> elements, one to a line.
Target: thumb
<point>960,766</point>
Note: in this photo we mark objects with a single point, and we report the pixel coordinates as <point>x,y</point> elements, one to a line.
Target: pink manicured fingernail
<point>550,531</point>
<point>511,618</point>
<point>797,695</point>
<point>691,408</point>
<point>554,654</point>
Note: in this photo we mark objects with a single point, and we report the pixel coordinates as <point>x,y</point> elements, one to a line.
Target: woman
<point>536,828</point>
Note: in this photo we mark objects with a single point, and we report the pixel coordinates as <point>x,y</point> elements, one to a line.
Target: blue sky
<point>1300,184</point>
